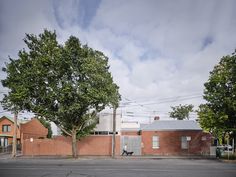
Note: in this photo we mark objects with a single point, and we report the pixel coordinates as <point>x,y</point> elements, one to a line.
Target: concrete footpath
<point>5,156</point>
<point>20,156</point>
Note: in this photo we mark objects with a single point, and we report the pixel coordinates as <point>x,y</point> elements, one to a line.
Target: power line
<point>163,99</point>
<point>148,115</point>
<point>192,94</point>
<point>169,101</point>
<point>153,113</point>
<point>141,105</point>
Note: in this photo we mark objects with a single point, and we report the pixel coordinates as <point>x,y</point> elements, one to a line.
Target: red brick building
<point>25,130</point>
<point>7,131</point>
<point>168,137</point>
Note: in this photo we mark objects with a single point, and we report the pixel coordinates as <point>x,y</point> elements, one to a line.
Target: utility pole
<point>14,144</point>
<point>114,133</point>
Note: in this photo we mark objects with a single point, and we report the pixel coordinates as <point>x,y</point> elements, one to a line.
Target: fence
<point>8,149</point>
<point>92,145</point>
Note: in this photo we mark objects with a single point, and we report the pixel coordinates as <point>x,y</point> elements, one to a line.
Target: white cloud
<point>20,18</point>
<point>179,33</point>
<point>157,49</point>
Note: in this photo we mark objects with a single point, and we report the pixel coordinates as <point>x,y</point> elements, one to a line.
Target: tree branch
<point>66,132</point>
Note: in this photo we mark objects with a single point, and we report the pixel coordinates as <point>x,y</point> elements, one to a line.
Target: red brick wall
<point>130,133</point>
<point>170,143</point>
<point>33,129</point>
<point>46,147</point>
<point>92,145</point>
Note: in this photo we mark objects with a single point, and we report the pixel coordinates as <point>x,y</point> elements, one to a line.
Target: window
<point>6,128</point>
<point>155,142</point>
<point>185,141</point>
<point>5,142</point>
<point>102,133</point>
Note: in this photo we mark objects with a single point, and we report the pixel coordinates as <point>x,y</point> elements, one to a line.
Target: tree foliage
<point>47,125</point>
<point>66,84</point>
<point>14,101</point>
<point>219,113</point>
<point>181,112</point>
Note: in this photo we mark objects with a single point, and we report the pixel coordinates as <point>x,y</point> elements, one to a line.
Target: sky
<point>160,51</point>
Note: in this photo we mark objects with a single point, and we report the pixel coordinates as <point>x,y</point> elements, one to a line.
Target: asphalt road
<point>115,168</point>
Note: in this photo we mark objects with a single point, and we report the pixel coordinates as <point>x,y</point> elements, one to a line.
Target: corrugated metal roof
<point>143,125</point>
<point>172,125</point>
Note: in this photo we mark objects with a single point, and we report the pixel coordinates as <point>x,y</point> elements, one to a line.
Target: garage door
<point>133,144</point>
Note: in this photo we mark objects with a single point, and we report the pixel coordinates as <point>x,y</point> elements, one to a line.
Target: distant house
<point>105,124</point>
<point>7,131</point>
<point>25,129</point>
<point>130,128</point>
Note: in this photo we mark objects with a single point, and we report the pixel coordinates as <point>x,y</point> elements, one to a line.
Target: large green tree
<point>66,84</point>
<point>181,112</point>
<point>218,115</point>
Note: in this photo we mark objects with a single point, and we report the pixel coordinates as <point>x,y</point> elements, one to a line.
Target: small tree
<point>67,84</point>
<point>15,101</point>
<point>181,112</point>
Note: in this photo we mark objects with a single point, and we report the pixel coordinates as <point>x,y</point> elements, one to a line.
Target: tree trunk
<point>114,133</point>
<point>14,143</point>
<point>234,141</point>
<point>74,143</point>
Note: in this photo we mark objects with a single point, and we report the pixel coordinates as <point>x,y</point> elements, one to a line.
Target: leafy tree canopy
<point>219,113</point>
<point>181,112</point>
<point>66,84</point>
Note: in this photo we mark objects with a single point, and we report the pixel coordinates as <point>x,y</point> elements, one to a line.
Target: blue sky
<point>82,13</point>
<point>160,52</point>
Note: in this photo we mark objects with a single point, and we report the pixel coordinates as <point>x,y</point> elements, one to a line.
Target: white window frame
<point>5,142</point>
<point>6,128</point>
<point>155,142</point>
